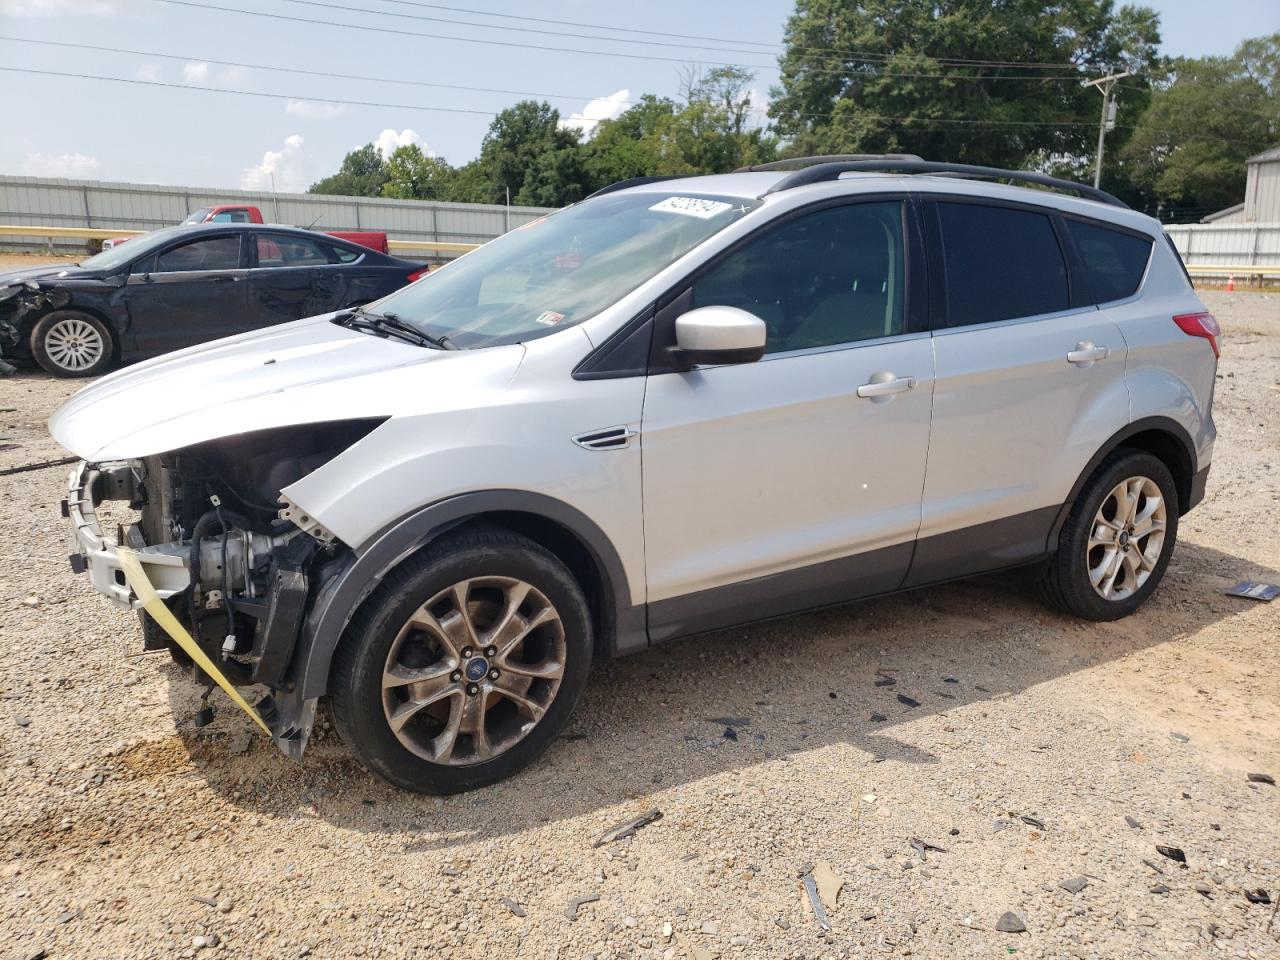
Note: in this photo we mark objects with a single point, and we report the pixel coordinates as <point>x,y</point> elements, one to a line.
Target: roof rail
<point>635,182</point>
<point>830,158</point>
<point>832,169</point>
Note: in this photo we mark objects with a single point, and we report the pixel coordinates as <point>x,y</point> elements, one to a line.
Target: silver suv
<point>680,405</point>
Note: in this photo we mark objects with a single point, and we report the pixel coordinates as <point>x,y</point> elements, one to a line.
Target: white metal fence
<point>135,206</point>
<point>1228,244</point>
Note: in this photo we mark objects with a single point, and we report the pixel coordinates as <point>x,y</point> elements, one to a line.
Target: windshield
<point>136,248</point>
<point>560,270</point>
<point>198,216</point>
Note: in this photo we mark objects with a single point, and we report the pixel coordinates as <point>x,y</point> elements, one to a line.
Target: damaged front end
<point>233,560</point>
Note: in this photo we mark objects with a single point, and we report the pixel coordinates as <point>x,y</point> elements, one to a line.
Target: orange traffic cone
<point>1231,283</point>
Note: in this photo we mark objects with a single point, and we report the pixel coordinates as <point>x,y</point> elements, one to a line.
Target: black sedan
<point>184,285</point>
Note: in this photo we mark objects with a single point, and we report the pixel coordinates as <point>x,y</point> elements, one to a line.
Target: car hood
<point>46,271</point>
<point>309,371</point>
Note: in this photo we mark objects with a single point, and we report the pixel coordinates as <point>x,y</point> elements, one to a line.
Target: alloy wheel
<point>1127,538</point>
<point>74,344</point>
<point>473,670</point>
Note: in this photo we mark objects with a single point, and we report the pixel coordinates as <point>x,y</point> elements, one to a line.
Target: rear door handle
<point>885,385</point>
<point>1086,353</point>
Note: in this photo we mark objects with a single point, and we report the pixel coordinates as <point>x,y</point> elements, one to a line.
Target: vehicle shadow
<point>783,688</point>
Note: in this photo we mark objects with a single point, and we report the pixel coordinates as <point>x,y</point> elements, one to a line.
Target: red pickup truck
<point>233,213</point>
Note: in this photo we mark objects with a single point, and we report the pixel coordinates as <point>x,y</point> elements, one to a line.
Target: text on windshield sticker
<point>692,207</point>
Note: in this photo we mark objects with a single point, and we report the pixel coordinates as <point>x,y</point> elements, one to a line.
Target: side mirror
<point>718,334</point>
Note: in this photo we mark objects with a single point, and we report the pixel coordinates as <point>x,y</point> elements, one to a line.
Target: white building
<point>1261,193</point>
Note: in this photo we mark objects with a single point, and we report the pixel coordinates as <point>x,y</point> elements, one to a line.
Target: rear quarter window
<point>1114,261</point>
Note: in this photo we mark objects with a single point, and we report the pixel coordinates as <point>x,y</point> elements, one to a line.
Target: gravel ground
<point>125,831</point>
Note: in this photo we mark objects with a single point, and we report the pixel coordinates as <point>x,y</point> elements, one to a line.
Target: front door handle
<point>1086,353</point>
<point>884,385</point>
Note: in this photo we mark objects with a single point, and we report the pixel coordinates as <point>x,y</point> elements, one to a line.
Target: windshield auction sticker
<point>692,207</point>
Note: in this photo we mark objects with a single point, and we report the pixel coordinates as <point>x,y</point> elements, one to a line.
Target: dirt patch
<point>1034,738</point>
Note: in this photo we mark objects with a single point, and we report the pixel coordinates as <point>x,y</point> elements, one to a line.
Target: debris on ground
<point>1262,778</point>
<point>1180,737</point>
<point>878,718</point>
<point>829,885</point>
<point>1131,821</point>
<point>513,906</point>
<point>1257,896</point>
<point>730,734</point>
<point>907,701</point>
<point>1173,853</point>
<point>571,910</point>
<point>815,902</point>
<point>922,847</point>
<point>1160,889</point>
<point>628,828</point>
<point>1074,884</point>
<point>1252,590</point>
<point>1032,822</point>
<point>1010,922</point>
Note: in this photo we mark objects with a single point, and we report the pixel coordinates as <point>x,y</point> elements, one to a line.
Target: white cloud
<point>315,110</point>
<point>201,74</point>
<point>288,165</point>
<point>73,165</point>
<point>51,8</point>
<point>758,115</point>
<point>601,108</point>
<point>151,72</point>
<point>388,140</point>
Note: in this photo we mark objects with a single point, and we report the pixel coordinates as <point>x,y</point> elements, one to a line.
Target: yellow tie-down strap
<point>151,602</point>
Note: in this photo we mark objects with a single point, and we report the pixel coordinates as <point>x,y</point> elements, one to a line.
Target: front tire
<point>69,343</point>
<point>1116,544</point>
<point>464,665</point>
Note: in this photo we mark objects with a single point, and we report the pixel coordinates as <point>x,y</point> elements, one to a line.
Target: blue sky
<point>60,126</point>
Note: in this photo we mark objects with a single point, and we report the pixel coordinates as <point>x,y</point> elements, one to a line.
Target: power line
<point>309,73</point>
<point>772,47</point>
<point>576,97</point>
<point>543,47</point>
<point>486,113</point>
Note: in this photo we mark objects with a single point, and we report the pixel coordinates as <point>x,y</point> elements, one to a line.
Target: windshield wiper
<point>390,324</point>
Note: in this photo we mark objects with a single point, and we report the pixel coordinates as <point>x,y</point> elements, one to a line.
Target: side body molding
<point>622,623</point>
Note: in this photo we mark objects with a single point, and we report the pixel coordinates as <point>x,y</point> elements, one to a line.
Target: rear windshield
<point>1114,260</point>
<point>560,270</point>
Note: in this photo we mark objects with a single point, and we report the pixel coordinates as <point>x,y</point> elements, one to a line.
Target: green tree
<point>1189,149</point>
<point>412,175</point>
<point>362,174</point>
<point>959,80</point>
<point>527,151</point>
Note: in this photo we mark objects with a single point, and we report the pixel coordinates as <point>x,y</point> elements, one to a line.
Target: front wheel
<point>464,665</point>
<point>69,343</point>
<point>1116,543</point>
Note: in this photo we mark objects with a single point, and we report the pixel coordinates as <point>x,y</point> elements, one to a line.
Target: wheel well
<point>575,555</point>
<point>1168,449</point>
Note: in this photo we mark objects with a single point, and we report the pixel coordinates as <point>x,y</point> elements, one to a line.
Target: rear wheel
<point>68,343</point>
<point>1116,543</point>
<point>464,665</point>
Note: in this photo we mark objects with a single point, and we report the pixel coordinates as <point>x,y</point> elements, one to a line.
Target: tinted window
<point>835,276</point>
<point>346,256</point>
<point>215,253</point>
<point>280,250</point>
<point>1114,262</point>
<point>1001,263</point>
<point>230,216</point>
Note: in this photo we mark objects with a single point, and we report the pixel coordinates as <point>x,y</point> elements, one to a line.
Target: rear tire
<point>1115,545</point>
<point>70,343</point>
<point>465,663</point>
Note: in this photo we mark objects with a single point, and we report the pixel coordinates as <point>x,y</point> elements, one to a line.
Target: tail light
<point>1200,325</point>
<point>419,274</point>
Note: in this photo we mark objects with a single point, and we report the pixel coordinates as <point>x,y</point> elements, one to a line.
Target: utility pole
<point>1105,86</point>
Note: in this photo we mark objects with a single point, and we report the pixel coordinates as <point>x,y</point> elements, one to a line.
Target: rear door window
<point>1114,261</point>
<point>283,250</point>
<point>1001,263</point>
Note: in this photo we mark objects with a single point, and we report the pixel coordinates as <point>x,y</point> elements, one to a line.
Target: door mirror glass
<point>718,334</point>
